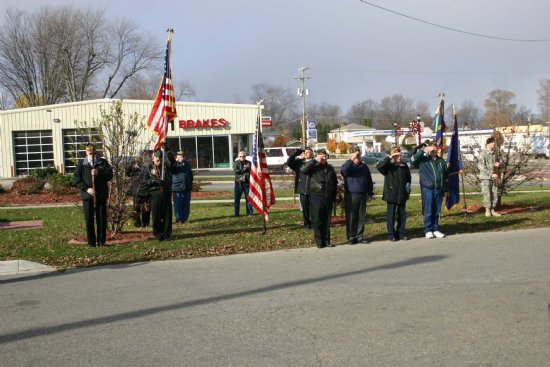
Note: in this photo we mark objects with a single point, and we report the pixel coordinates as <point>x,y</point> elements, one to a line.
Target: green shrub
<point>43,173</point>
<point>27,185</point>
<point>60,184</point>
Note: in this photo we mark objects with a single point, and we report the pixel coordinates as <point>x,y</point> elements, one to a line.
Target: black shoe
<point>393,239</point>
<point>352,242</point>
<point>404,238</point>
<point>329,245</point>
<point>364,241</point>
<point>320,246</point>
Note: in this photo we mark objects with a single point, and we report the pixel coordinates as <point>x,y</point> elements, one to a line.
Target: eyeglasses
<point>242,156</point>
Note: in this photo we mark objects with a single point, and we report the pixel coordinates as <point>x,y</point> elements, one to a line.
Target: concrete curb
<point>21,268</point>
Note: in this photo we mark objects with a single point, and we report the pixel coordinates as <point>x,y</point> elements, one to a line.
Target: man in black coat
<point>160,189</point>
<point>295,162</point>
<point>397,188</point>
<point>242,181</point>
<point>140,194</point>
<point>91,176</point>
<point>322,194</point>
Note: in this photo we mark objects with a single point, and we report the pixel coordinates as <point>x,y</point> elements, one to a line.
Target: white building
<point>211,134</point>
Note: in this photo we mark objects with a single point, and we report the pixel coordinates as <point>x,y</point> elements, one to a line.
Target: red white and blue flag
<point>261,195</point>
<point>164,107</point>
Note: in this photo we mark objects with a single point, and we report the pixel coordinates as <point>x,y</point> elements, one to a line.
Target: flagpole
<point>170,31</point>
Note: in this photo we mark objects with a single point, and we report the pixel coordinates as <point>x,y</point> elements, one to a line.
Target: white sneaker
<point>439,234</point>
<point>430,235</point>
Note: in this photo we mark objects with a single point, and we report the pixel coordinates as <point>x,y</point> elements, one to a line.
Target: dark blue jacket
<point>182,177</point>
<point>357,178</point>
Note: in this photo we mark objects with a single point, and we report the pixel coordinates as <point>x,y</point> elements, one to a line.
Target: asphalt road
<point>467,300</point>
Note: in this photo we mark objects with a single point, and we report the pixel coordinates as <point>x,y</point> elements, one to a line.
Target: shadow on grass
<point>50,330</point>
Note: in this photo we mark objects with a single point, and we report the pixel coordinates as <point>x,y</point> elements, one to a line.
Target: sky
<point>354,51</point>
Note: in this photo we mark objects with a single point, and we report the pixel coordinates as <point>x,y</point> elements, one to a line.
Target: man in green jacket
<point>433,185</point>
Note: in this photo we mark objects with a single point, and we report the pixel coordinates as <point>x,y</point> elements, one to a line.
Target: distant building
<point>211,134</point>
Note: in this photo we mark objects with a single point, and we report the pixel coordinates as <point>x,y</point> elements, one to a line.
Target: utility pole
<point>302,92</point>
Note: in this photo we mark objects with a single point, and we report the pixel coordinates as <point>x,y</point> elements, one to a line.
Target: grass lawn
<point>213,231</point>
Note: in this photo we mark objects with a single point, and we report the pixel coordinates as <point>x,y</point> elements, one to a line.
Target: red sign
<point>266,121</point>
<point>220,123</point>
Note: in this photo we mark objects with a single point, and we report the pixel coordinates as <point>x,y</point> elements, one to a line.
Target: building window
<point>33,150</point>
<point>203,151</point>
<point>221,152</point>
<point>74,141</point>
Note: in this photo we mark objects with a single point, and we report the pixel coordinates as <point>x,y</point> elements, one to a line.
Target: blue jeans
<point>431,207</point>
<point>182,205</point>
<point>241,187</point>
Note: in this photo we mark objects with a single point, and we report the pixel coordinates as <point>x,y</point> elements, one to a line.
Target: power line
<point>454,29</point>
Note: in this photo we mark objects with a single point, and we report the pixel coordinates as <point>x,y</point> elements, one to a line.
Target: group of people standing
<point>153,187</point>
<point>156,184</point>
<point>317,185</point>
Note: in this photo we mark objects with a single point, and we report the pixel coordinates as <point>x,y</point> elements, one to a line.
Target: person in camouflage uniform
<point>486,164</point>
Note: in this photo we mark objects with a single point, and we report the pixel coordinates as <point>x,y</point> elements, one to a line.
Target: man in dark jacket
<point>433,184</point>
<point>140,194</point>
<point>91,176</point>
<point>160,187</point>
<point>322,194</point>
<point>397,188</point>
<point>358,188</point>
<point>182,185</point>
<point>242,180</point>
<point>295,162</point>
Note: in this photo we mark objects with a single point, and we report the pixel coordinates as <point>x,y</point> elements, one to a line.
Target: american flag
<point>164,108</point>
<point>261,194</point>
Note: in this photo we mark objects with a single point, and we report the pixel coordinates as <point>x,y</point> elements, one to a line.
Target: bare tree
<point>130,53</point>
<point>279,103</point>
<point>63,53</point>
<point>395,109</point>
<point>499,109</point>
<point>543,99</point>
<point>364,113</point>
<point>469,115</point>
<point>325,113</point>
<point>145,87</point>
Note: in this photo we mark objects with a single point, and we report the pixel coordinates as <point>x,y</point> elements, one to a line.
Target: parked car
<point>372,158</point>
<point>276,158</point>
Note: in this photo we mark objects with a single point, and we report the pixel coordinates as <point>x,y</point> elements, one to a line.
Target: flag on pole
<point>439,123</point>
<point>164,107</point>
<point>454,167</point>
<point>261,195</point>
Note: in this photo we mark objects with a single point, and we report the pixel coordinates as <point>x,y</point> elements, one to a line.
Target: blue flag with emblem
<point>454,167</point>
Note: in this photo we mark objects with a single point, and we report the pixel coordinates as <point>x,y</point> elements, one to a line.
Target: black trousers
<point>304,203</point>
<point>161,211</point>
<point>355,206</point>
<point>95,208</point>
<point>142,210</point>
<point>392,210</point>
<point>321,210</point>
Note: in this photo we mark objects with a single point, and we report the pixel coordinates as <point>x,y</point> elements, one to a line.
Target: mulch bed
<point>121,237</point>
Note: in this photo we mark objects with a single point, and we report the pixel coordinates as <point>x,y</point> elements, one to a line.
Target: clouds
<point>354,51</point>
